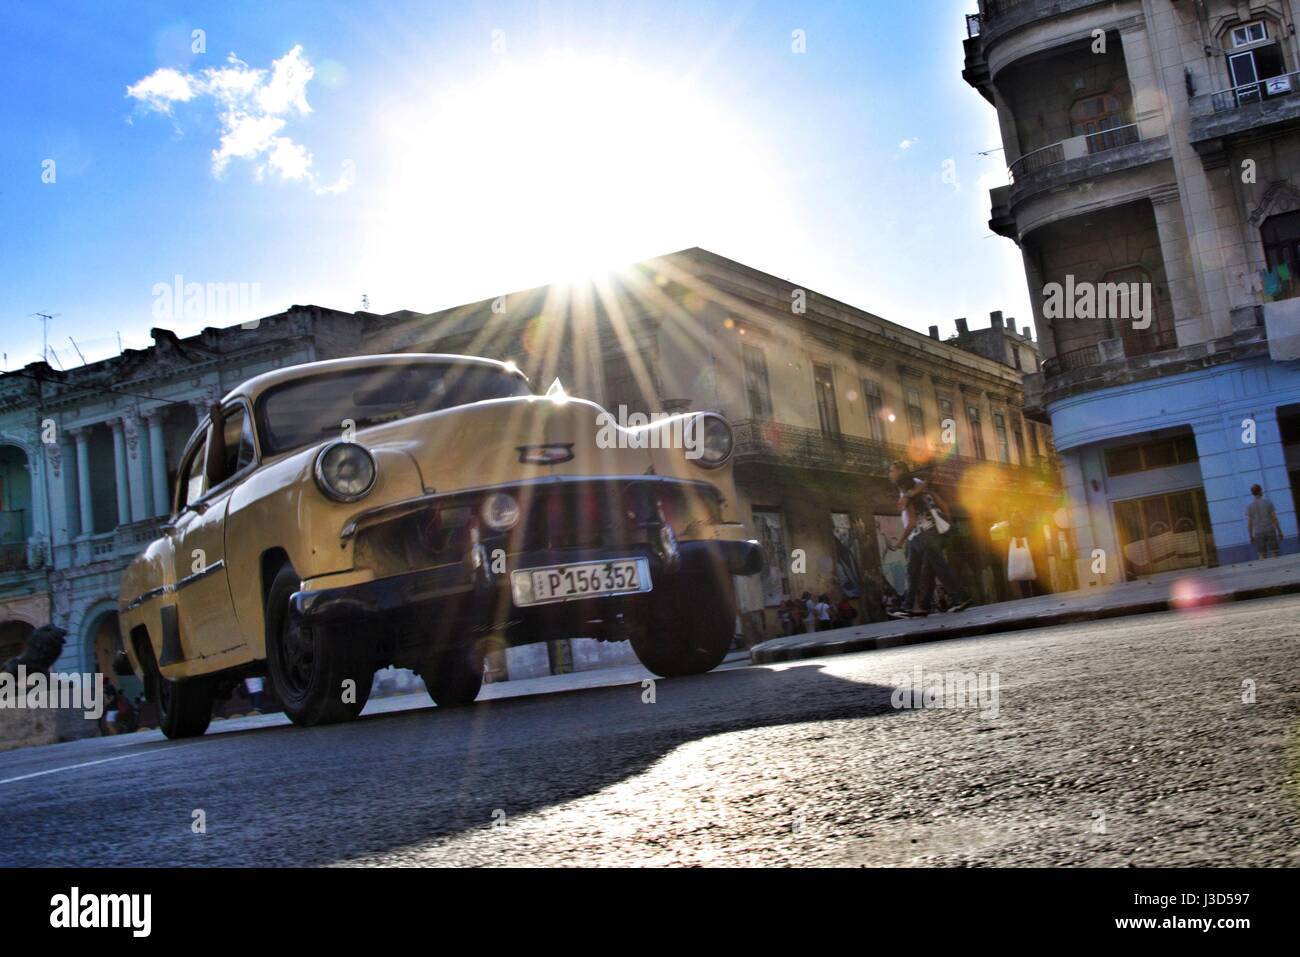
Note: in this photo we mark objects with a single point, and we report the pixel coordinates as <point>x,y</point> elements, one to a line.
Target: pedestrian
<point>845,613</point>
<point>785,613</point>
<point>926,523</point>
<point>1020,558</point>
<point>823,608</point>
<point>1262,524</point>
<point>809,611</point>
<point>253,686</point>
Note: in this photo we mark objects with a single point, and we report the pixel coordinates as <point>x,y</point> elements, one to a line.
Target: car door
<point>206,613</point>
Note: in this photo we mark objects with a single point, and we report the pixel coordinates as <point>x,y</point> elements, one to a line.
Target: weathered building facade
<point>822,397</point>
<point>1154,156</point>
<point>88,460</point>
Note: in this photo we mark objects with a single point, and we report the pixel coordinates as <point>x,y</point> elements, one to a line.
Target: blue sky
<point>426,154</point>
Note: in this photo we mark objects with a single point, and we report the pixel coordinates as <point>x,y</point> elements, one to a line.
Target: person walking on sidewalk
<point>1262,525</point>
<point>926,514</point>
<point>824,613</point>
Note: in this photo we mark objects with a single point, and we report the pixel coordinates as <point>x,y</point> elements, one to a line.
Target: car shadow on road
<point>319,796</point>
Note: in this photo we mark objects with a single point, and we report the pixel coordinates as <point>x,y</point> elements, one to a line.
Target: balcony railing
<point>776,443</point>
<point>1086,144</point>
<point>1269,88</point>
<point>1074,359</point>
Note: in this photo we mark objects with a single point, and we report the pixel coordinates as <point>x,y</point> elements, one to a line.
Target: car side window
<point>240,450</point>
<point>194,479</point>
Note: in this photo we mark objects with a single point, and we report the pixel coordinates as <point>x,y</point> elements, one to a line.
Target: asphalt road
<point>1124,742</point>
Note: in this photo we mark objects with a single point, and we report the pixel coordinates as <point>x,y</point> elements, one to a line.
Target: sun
<point>558,168</point>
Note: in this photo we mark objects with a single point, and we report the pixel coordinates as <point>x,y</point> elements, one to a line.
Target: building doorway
<point>1288,421</point>
<point>1163,533</point>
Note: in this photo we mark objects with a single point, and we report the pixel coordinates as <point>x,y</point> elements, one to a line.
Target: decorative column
<point>136,467</point>
<point>81,437</point>
<point>119,472</point>
<point>158,462</point>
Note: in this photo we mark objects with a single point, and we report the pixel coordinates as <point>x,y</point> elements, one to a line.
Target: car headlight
<point>345,471</point>
<point>500,511</point>
<point>713,441</point>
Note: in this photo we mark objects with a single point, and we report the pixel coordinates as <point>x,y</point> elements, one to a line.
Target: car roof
<point>255,386</point>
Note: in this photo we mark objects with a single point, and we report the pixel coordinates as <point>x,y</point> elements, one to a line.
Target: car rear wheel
<point>455,675</point>
<point>691,623</point>
<point>184,707</point>
<point>321,675</point>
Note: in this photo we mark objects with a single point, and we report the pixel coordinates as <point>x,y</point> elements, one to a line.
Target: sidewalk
<point>1200,586</point>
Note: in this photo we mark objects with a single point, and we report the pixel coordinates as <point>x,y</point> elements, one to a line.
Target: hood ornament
<point>555,392</point>
<point>552,453</point>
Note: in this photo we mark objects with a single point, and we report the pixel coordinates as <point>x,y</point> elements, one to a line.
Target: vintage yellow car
<point>336,517</point>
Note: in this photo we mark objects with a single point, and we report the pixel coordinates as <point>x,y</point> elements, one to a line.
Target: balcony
<point>1273,101</point>
<point>765,442</point>
<point>1113,362</point>
<point>1084,157</point>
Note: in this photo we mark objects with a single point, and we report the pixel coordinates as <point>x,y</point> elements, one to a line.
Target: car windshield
<point>307,410</point>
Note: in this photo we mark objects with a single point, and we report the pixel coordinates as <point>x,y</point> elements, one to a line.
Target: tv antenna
<point>45,318</point>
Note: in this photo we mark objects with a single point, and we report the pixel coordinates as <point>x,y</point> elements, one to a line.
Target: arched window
<point>1281,237</point>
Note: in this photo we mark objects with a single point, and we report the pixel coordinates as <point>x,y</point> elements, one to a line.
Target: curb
<point>923,635</point>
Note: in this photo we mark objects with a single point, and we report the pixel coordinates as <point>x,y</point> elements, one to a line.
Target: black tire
<point>691,623</point>
<point>455,675</point>
<point>310,667</point>
<point>184,707</point>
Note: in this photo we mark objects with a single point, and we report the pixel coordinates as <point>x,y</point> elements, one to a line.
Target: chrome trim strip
<point>161,590</point>
<point>351,528</point>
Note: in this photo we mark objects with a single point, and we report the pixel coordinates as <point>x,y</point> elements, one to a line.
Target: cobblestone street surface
<point>1119,743</point>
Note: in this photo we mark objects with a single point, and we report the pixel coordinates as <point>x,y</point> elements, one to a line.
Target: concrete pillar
<point>1230,464</point>
<point>158,463</point>
<point>86,505</point>
<point>1184,297</point>
<point>119,472</point>
<point>137,467</point>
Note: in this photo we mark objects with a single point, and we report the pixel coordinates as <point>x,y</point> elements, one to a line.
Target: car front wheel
<point>184,707</point>
<point>454,675</point>
<point>691,624</point>
<point>322,675</point>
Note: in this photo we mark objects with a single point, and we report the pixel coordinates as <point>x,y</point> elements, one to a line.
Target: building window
<point>874,409</point>
<point>1160,454</point>
<point>1018,433</point>
<point>1163,533</point>
<point>1281,237</point>
<point>1099,117</point>
<point>756,384</point>
<point>915,414</point>
<point>976,431</point>
<point>828,414</point>
<point>947,418</point>
<point>1000,430</point>
<point>1250,33</point>
<point>1256,68</point>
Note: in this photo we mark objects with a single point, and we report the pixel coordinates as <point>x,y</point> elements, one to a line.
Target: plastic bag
<point>1020,563</point>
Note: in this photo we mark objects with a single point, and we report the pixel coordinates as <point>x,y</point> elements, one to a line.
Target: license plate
<point>538,586</point>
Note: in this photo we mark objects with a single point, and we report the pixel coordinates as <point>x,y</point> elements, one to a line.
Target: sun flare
<point>556,169</point>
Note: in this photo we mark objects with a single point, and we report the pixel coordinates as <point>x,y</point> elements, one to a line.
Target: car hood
<point>501,441</point>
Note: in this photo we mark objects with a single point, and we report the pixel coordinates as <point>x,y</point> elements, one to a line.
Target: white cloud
<point>161,88</point>
<point>254,106</point>
<point>908,143</point>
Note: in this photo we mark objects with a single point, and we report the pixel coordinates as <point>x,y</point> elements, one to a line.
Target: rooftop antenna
<point>45,318</point>
<point>365,302</point>
<point>78,348</point>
